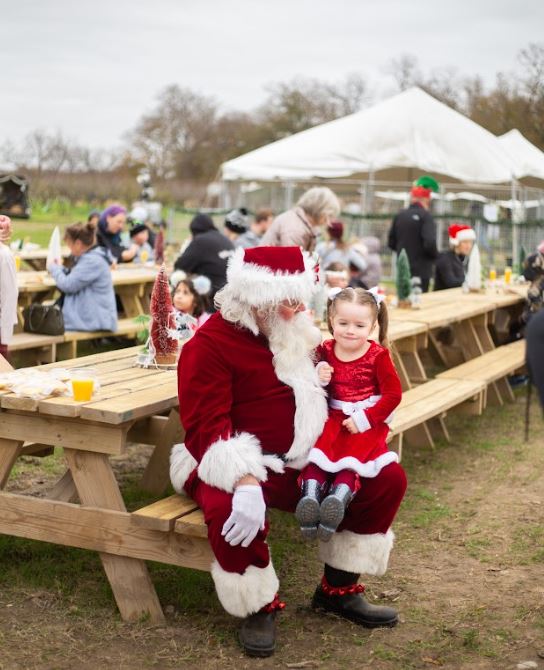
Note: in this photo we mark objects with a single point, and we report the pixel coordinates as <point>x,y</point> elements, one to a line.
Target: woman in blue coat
<point>89,302</point>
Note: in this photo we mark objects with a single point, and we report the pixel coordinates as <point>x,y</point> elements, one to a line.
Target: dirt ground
<point>466,575</point>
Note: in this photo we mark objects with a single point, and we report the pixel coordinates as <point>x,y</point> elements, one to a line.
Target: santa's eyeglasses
<point>293,305</point>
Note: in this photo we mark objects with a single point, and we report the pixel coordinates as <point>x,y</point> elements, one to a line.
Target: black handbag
<point>43,319</point>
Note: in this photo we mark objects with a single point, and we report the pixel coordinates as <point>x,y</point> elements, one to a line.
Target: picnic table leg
<point>129,579</point>
<point>65,489</point>
<point>401,369</point>
<point>156,476</point>
<point>481,326</point>
<point>130,299</point>
<point>410,357</point>
<point>10,450</point>
<point>467,336</point>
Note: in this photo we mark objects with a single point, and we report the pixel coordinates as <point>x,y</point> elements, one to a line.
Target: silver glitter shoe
<point>332,511</point>
<point>307,511</point>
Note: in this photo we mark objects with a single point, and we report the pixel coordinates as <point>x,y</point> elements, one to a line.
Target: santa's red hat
<point>459,232</point>
<point>268,275</point>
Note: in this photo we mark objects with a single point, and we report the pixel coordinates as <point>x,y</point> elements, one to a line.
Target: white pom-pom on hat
<point>176,277</point>
<point>202,284</point>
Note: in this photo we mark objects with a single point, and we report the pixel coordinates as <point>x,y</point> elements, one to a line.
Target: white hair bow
<point>333,292</point>
<point>378,297</point>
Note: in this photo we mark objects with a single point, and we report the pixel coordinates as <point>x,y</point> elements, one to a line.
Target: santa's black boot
<point>340,594</point>
<point>307,511</point>
<point>258,631</point>
<point>332,510</point>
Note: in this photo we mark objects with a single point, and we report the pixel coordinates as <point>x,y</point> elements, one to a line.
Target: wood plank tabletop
<point>126,392</point>
<point>41,281</point>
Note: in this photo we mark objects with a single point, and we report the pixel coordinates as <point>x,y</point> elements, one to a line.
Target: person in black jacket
<point>207,253</point>
<point>451,267</point>
<point>414,229</point>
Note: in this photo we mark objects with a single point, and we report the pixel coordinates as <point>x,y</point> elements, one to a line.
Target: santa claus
<point>252,408</point>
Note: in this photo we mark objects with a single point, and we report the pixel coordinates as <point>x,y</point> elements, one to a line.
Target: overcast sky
<point>91,69</point>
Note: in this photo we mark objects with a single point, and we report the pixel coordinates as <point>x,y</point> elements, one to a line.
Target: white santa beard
<point>291,343</point>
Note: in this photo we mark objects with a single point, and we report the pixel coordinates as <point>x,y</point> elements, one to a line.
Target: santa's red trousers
<point>371,511</point>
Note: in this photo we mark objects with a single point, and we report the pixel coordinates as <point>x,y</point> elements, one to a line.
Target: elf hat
<point>423,186</point>
<point>459,232</point>
<point>262,276</point>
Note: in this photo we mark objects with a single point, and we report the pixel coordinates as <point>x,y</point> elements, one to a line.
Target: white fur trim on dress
<point>363,554</point>
<point>226,461</point>
<point>182,464</point>
<point>370,469</point>
<point>257,285</point>
<point>242,595</point>
<point>311,408</point>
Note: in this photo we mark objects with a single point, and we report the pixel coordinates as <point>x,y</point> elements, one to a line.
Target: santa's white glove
<point>247,516</point>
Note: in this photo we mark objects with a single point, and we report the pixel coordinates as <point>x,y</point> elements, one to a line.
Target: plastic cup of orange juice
<point>492,274</point>
<point>83,383</point>
<point>508,275</point>
<point>17,259</point>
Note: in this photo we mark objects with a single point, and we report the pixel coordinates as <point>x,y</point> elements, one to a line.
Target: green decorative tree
<point>404,279</point>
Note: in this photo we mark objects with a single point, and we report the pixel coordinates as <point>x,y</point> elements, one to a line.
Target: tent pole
<point>514,225</point>
<point>370,194</point>
<point>288,188</point>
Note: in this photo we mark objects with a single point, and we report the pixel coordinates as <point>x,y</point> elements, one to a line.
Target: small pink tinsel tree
<point>163,320</point>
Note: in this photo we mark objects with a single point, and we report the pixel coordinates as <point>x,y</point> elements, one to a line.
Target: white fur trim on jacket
<point>226,461</point>
<point>364,554</point>
<point>311,408</point>
<point>182,464</point>
<point>242,595</point>
<point>257,285</point>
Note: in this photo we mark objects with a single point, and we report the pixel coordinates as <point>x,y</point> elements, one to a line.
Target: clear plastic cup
<point>83,383</point>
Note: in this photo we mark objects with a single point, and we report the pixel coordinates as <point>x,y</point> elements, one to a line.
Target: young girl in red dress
<point>364,389</point>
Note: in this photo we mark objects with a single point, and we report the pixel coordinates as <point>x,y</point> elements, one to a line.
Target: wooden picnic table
<point>36,258</point>
<point>132,404</point>
<point>132,284</point>
<point>468,316</point>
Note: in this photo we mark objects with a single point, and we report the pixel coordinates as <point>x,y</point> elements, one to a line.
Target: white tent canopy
<point>529,159</point>
<point>409,130</point>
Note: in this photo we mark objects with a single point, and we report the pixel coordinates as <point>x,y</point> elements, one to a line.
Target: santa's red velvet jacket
<point>240,412</point>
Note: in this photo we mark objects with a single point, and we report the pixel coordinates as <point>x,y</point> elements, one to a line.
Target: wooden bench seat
<point>125,328</point>
<point>420,415</point>
<point>35,349</point>
<point>163,514</point>
<point>492,369</point>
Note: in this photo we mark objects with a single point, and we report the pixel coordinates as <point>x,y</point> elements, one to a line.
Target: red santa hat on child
<point>459,232</point>
<point>268,275</point>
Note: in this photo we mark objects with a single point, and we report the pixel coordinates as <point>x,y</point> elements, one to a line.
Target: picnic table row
<point>140,405</point>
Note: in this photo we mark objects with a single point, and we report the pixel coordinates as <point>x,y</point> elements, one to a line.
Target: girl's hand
<point>349,424</point>
<point>324,373</point>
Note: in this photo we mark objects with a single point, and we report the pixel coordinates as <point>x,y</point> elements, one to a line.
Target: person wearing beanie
<point>207,253</point>
<point>108,234</point>
<point>252,408</point>
<point>414,230</point>
<point>237,226</point>
<point>139,234</point>
<point>450,268</point>
<point>335,249</point>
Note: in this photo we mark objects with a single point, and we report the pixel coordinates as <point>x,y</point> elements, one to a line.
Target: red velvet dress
<point>370,375</point>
